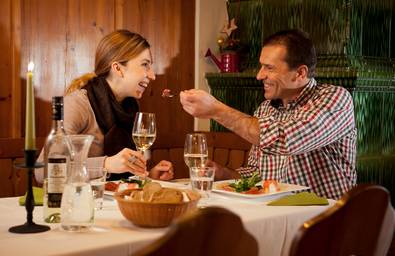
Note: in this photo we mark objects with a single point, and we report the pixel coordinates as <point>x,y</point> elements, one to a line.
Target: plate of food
<point>255,188</point>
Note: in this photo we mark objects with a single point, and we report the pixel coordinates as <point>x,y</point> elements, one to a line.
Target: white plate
<point>108,193</point>
<point>284,190</point>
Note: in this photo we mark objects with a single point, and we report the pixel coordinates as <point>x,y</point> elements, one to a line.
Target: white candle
<point>30,128</point>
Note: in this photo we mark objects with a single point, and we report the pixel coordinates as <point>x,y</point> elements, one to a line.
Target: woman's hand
<point>127,160</point>
<point>163,171</point>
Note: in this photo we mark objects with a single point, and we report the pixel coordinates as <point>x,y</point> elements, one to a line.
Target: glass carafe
<point>77,207</point>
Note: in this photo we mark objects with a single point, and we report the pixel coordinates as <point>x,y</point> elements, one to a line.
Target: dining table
<point>273,227</point>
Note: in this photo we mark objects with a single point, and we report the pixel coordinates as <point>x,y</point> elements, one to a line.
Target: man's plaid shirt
<point>315,136</point>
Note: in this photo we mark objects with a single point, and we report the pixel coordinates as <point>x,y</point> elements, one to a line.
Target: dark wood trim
<point>13,148</point>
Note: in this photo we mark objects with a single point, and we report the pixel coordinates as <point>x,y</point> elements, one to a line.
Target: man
<point>307,127</point>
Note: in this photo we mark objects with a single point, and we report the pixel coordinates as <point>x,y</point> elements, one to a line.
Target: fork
<point>168,94</point>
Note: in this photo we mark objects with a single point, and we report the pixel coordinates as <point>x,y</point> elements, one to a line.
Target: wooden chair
<point>209,231</point>
<point>362,222</point>
<point>225,148</point>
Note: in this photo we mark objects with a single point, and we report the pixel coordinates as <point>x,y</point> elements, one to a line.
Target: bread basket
<point>152,215</point>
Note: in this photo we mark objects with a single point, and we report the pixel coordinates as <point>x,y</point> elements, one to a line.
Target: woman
<point>103,104</point>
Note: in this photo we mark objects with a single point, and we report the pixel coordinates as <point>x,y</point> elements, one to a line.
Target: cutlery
<point>167,93</point>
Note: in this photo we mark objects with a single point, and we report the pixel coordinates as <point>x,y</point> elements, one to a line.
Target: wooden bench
<point>225,148</point>
<point>13,181</point>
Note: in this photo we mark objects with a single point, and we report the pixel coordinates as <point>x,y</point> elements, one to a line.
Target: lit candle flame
<point>30,67</point>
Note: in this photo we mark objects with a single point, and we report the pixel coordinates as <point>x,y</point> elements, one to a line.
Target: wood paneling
<point>60,37</point>
<point>5,68</point>
<point>171,35</point>
<point>6,185</point>
<point>43,42</point>
<point>88,22</point>
<point>15,49</point>
<point>13,148</point>
<point>13,181</point>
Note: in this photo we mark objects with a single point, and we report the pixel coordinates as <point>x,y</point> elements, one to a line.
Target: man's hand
<point>199,103</point>
<point>221,172</point>
<point>162,171</point>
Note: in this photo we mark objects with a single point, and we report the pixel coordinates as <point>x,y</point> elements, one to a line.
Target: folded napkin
<point>303,198</point>
<point>38,195</point>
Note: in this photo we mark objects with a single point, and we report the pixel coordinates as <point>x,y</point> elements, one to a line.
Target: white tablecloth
<point>272,226</point>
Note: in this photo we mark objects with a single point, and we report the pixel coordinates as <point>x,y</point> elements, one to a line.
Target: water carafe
<point>77,207</point>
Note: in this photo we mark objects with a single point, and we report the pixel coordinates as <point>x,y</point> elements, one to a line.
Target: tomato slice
<point>270,186</point>
<point>111,186</point>
<point>253,191</point>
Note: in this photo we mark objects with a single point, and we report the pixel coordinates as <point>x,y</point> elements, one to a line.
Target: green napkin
<point>38,195</point>
<point>303,198</point>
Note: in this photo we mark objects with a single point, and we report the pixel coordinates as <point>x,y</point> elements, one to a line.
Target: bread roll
<point>154,193</point>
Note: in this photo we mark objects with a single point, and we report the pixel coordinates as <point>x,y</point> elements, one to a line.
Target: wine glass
<point>144,130</point>
<point>144,133</point>
<point>195,150</point>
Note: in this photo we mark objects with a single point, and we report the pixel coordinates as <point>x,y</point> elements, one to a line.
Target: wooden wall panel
<point>61,36</point>
<point>87,22</point>
<point>13,181</point>
<point>44,42</point>
<point>19,179</point>
<point>5,68</point>
<point>6,185</point>
<point>14,64</point>
<point>170,32</point>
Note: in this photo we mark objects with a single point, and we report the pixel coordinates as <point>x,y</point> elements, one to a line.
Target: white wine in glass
<point>144,130</point>
<point>143,141</point>
<point>195,150</point>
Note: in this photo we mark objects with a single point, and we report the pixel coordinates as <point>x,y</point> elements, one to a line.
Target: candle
<point>30,129</point>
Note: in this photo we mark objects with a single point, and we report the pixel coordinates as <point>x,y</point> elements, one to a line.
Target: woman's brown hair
<point>118,46</point>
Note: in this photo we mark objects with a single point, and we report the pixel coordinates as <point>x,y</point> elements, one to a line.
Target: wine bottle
<point>57,156</point>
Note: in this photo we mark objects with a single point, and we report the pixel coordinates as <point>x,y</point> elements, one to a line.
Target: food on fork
<point>167,93</point>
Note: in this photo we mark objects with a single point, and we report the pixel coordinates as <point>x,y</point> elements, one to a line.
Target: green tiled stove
<point>355,43</point>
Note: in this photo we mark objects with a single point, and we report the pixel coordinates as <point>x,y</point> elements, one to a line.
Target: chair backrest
<point>362,222</point>
<point>225,148</point>
<point>208,231</point>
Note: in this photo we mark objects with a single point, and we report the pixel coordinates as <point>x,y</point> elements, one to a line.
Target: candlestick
<point>29,227</point>
<point>30,128</point>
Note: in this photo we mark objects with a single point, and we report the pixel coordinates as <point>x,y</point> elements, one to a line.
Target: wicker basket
<point>152,215</point>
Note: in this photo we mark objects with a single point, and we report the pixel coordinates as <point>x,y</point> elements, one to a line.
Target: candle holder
<point>29,227</point>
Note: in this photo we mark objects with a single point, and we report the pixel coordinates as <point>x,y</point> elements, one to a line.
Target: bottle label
<point>54,200</point>
<point>57,173</point>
